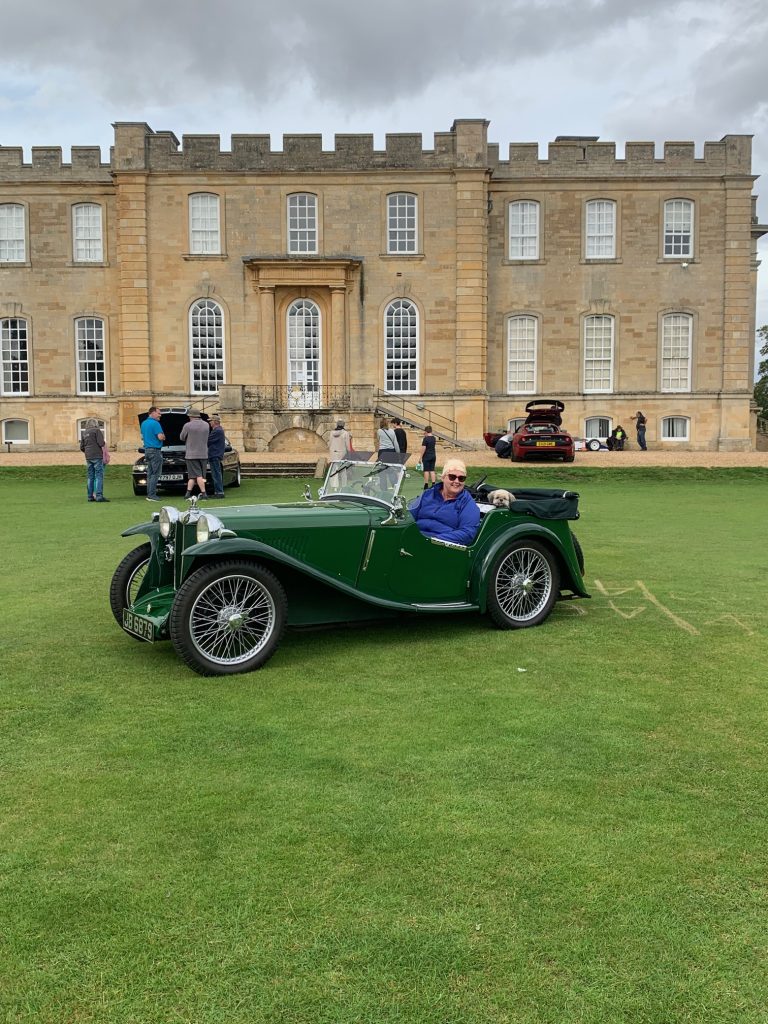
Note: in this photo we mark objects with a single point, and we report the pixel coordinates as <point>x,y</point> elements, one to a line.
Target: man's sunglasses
<point>457,476</point>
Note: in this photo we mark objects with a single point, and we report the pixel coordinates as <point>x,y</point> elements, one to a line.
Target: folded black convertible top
<point>537,501</point>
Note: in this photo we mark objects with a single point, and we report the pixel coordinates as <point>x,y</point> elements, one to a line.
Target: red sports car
<point>541,436</point>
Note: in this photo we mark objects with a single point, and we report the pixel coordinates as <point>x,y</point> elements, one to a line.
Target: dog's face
<point>501,499</point>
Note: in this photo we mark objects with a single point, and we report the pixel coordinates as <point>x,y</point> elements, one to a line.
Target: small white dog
<point>501,499</point>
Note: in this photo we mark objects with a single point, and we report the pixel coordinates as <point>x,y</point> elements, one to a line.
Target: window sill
<point>87,263</point>
<point>588,260</point>
<point>678,260</point>
<point>11,264</point>
<point>401,255</point>
<point>507,262</point>
<point>197,256</point>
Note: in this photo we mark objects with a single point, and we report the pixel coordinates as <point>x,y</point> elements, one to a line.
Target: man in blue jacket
<point>216,444</point>
<point>447,511</point>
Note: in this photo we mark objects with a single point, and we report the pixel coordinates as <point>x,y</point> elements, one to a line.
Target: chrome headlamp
<point>210,526</point>
<point>167,518</point>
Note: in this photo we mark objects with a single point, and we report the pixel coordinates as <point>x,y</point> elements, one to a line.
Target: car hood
<point>245,519</point>
<point>171,420</point>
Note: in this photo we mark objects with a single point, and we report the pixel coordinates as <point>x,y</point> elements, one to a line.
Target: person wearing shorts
<point>194,434</point>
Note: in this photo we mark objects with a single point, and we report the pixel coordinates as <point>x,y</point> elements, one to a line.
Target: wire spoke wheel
<point>523,585</point>
<point>228,617</point>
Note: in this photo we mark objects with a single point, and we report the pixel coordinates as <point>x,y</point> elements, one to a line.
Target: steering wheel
<point>472,488</point>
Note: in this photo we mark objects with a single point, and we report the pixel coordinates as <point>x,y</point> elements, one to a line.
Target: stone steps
<point>257,470</point>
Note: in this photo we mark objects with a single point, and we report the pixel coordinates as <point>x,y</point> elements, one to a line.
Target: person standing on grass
<point>428,456</point>
<point>400,434</point>
<point>152,438</point>
<point>194,434</point>
<point>92,446</point>
<point>340,442</point>
<point>217,442</point>
<point>640,425</point>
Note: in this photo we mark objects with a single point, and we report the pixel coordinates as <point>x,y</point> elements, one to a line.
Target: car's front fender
<point>152,529</point>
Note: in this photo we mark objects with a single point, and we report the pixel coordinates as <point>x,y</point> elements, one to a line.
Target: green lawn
<point>430,822</point>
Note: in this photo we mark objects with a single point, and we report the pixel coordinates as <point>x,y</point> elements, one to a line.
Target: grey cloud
<point>349,53</point>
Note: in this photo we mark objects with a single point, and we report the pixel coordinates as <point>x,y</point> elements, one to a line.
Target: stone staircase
<point>276,467</point>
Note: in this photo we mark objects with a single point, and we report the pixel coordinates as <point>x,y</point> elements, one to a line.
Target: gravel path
<point>476,458</point>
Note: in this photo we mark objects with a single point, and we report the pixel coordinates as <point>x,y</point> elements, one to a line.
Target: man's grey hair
<point>215,419</point>
<point>91,422</point>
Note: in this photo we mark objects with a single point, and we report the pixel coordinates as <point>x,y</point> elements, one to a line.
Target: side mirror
<point>307,493</point>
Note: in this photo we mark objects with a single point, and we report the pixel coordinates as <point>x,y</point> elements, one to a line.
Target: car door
<point>404,565</point>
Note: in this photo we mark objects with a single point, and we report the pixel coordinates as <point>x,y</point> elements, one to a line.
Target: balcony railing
<point>315,397</point>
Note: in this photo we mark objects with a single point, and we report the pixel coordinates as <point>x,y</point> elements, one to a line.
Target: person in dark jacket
<point>400,434</point>
<point>619,436</point>
<point>640,425</point>
<point>92,446</point>
<point>447,511</point>
<point>216,444</point>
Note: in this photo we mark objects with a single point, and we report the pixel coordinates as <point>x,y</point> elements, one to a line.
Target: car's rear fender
<point>570,577</point>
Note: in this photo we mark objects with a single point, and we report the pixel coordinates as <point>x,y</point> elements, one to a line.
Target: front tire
<point>126,581</point>
<point>228,617</point>
<point>137,490</point>
<point>237,480</point>
<point>523,585</point>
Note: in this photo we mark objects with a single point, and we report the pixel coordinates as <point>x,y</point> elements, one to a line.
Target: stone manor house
<point>291,287</point>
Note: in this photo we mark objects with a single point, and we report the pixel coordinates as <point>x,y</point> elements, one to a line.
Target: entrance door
<point>304,355</point>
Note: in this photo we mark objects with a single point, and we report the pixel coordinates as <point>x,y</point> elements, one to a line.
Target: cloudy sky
<point>620,69</point>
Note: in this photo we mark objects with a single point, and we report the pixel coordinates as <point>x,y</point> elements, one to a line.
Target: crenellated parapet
<point>47,165</point>
<point>590,158</point>
<point>138,148</point>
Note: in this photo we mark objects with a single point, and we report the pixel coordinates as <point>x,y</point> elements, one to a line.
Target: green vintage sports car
<point>223,587</point>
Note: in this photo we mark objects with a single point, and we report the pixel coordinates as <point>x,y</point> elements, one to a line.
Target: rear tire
<point>228,617</point>
<point>238,478</point>
<point>523,585</point>
<point>126,581</point>
<point>568,458</point>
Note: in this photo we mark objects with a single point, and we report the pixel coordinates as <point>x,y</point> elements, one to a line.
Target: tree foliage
<point>761,387</point>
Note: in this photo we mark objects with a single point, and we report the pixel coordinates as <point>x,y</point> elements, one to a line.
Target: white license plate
<point>168,478</point>
<point>138,625</point>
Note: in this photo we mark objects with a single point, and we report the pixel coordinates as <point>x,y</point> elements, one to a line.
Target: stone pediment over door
<point>312,272</point>
<point>302,276</point>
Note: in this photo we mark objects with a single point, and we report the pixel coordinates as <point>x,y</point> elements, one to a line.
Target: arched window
<point>91,363</point>
<point>16,431</point>
<point>675,428</point>
<point>521,354</point>
<point>204,224</point>
<point>206,344</point>
<point>598,353</point>
<point>87,244</point>
<point>304,355</point>
<point>14,347</point>
<point>101,424</point>
<point>302,223</point>
<point>601,230</point>
<point>676,343</point>
<point>599,427</point>
<point>401,347</point>
<point>402,233</point>
<point>678,228</point>
<point>13,242</point>
<point>524,230</point>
